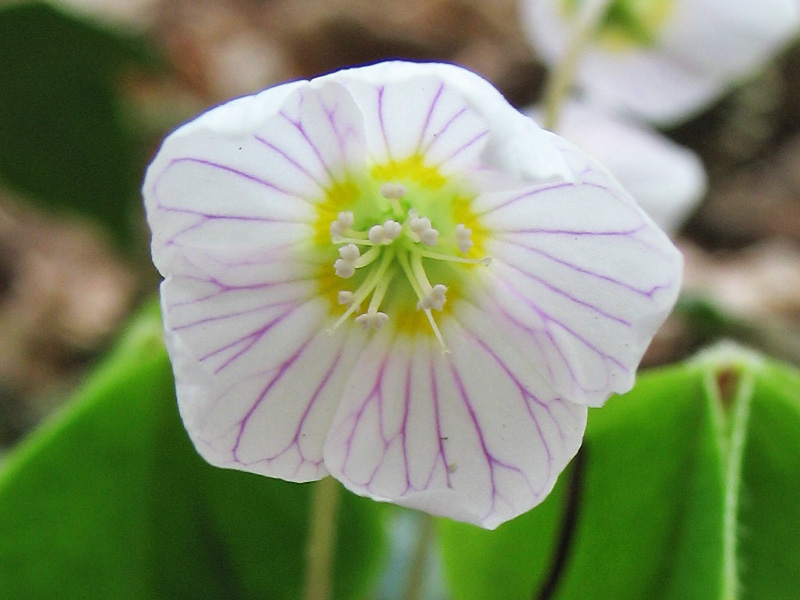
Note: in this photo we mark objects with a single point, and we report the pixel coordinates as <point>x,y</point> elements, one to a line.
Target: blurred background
<point>88,88</point>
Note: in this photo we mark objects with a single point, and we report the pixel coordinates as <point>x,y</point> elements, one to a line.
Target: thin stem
<point>321,543</point>
<point>733,484</point>
<point>561,78</point>
<point>419,559</point>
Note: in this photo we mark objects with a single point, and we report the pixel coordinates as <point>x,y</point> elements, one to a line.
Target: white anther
<point>391,230</point>
<point>422,227</point>
<point>435,299</point>
<point>343,222</point>
<point>429,237</point>
<point>375,320</point>
<point>393,190</point>
<point>346,297</point>
<point>419,224</point>
<point>349,253</point>
<point>376,234</point>
<point>344,268</point>
<point>463,240</point>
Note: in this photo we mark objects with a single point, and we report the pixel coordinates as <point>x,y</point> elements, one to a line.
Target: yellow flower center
<point>401,239</point>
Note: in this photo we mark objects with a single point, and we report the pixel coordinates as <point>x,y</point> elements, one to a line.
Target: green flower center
<point>405,239</point>
<point>627,23</point>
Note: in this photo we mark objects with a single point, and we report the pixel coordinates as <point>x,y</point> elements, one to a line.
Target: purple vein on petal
<point>466,145</point>
<point>646,292</point>
<point>382,124</point>
<point>313,400</point>
<point>298,125</point>
<point>492,461</point>
<point>292,161</point>
<point>439,434</point>
<point>428,117</point>
<point>525,195</point>
<point>373,393</point>
<point>281,370</point>
<point>341,138</point>
<point>227,169</point>
<point>567,296</point>
<point>232,315</point>
<point>248,340</point>
<point>403,433</point>
<point>526,396</point>
<point>550,320</point>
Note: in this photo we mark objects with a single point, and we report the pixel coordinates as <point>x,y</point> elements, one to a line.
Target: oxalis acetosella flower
<point>663,60</point>
<point>389,275</point>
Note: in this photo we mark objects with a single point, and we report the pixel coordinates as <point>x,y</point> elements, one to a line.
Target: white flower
<point>664,60</point>
<point>445,376</point>
<point>666,179</point>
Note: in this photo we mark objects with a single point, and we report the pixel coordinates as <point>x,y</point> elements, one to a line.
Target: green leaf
<point>687,488</point>
<point>110,500</point>
<point>63,141</point>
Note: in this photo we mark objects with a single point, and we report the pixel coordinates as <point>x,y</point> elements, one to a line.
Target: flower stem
<point>733,484</point>
<point>560,79</point>
<point>321,542</point>
<point>419,558</point>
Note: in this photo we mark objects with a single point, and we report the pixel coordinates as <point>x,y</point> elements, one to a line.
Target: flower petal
<point>231,204</point>
<point>667,180</point>
<point>474,435</point>
<point>448,115</point>
<point>220,182</point>
<point>258,377</point>
<point>580,279</point>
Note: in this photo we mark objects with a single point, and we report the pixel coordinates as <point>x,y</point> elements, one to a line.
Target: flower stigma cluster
<point>395,247</point>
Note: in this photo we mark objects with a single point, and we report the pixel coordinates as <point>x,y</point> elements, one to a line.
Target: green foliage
<point>110,501</point>
<point>687,488</point>
<point>63,141</point>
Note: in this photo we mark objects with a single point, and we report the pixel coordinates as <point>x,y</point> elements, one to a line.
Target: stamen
<point>463,240</point>
<point>368,257</point>
<point>344,268</point>
<point>366,287</point>
<point>346,265</point>
<point>393,190</point>
<point>486,260</point>
<point>434,299</point>
<point>415,284</point>
<point>384,234</point>
<point>422,227</point>
<point>349,252</point>
<point>418,224</point>
<point>343,222</point>
<point>346,297</point>
<point>374,320</point>
<point>429,237</point>
<point>392,229</point>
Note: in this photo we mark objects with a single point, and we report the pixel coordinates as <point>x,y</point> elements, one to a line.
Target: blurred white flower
<point>664,60</point>
<point>390,275</point>
<point>666,179</point>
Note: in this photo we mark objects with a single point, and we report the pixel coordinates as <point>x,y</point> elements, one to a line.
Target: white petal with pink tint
<point>578,276</point>
<point>258,376</point>
<point>474,435</point>
<point>254,185</point>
